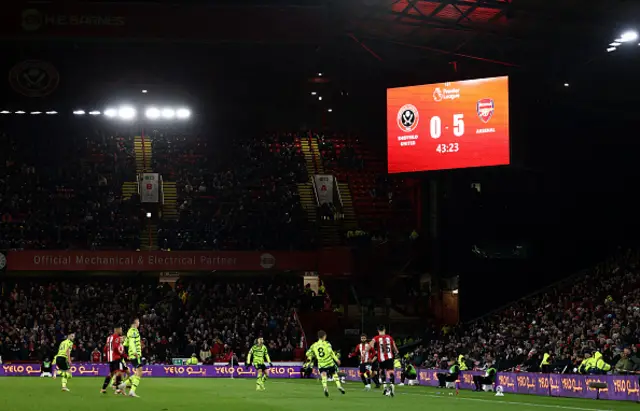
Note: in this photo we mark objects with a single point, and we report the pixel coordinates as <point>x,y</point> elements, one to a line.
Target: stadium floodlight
<point>94,113</point>
<point>78,112</point>
<point>145,91</point>
<point>126,112</point>
<point>628,36</point>
<point>610,49</point>
<point>36,112</point>
<point>320,98</point>
<point>183,113</point>
<point>111,112</point>
<point>152,113</point>
<point>319,74</point>
<point>330,110</point>
<point>313,93</point>
<point>20,112</point>
<point>615,44</point>
<point>5,112</point>
<point>566,84</point>
<point>168,113</point>
<point>52,112</point>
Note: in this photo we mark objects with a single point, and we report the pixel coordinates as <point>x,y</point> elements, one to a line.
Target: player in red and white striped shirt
<point>114,352</point>
<point>386,349</point>
<point>366,354</point>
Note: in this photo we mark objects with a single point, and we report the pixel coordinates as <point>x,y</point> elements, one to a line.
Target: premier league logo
<point>437,94</point>
<point>408,118</point>
<point>485,109</point>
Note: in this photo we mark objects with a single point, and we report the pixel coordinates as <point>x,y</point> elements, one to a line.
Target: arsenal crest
<point>34,78</point>
<point>485,109</point>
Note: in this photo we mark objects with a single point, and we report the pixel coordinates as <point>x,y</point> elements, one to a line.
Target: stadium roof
<point>509,33</point>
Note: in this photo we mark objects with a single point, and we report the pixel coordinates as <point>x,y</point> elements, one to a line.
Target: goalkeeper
<point>257,356</point>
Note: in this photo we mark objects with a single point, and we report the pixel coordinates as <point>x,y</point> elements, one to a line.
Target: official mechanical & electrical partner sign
<point>619,387</point>
<point>336,261</point>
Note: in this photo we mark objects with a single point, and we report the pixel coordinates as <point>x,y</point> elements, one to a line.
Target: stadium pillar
<point>432,202</point>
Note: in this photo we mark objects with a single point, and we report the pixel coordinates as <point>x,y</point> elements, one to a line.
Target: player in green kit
<point>63,360</point>
<point>135,356</point>
<point>256,357</point>
<point>327,360</point>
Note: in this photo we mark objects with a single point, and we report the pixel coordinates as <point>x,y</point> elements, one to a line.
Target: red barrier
<point>327,262</point>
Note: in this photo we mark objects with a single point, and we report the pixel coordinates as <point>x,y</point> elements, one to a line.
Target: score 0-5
<point>435,126</point>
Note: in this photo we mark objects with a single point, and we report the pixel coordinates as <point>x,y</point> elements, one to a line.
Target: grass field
<point>165,394</point>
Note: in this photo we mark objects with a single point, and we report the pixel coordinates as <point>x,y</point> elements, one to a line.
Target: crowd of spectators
<point>380,201</point>
<point>249,201</point>
<point>211,318</point>
<point>65,193</point>
<point>598,311</point>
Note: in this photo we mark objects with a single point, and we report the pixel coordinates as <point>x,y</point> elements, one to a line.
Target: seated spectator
<point>213,319</point>
<point>248,203</point>
<point>570,322</point>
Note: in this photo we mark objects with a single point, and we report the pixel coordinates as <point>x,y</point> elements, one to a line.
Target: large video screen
<point>448,125</point>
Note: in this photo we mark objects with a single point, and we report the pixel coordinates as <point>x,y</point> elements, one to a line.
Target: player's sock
<point>106,382</point>
<point>363,378</point>
<point>392,380</point>
<point>135,380</point>
<point>64,379</point>
<point>336,379</point>
<point>324,382</point>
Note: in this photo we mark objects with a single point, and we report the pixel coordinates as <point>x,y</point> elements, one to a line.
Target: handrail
<point>315,190</point>
<point>304,337</point>
<point>144,156</point>
<point>335,184</point>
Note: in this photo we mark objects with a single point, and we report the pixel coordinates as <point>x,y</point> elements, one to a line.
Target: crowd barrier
<point>619,387</point>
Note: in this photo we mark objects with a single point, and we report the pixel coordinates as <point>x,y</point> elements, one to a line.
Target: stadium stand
<point>380,201</point>
<point>594,311</point>
<point>208,317</point>
<point>250,203</point>
<point>66,193</point>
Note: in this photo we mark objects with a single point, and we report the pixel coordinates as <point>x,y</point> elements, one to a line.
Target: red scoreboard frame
<point>448,125</point>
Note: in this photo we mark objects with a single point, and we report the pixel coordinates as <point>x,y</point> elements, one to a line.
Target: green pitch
<point>166,394</point>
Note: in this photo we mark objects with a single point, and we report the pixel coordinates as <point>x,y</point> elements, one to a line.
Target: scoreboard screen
<point>448,125</point>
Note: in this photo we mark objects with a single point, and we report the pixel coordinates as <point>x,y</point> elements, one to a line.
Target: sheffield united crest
<point>485,109</point>
<point>408,118</point>
<point>34,78</point>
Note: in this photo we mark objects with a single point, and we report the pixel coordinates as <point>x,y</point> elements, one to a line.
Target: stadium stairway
<point>129,188</point>
<point>330,233</point>
<point>317,158</point>
<point>308,156</point>
<point>308,201</point>
<point>311,155</point>
<point>142,149</point>
<point>150,241</point>
<point>350,221</point>
<point>170,206</point>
